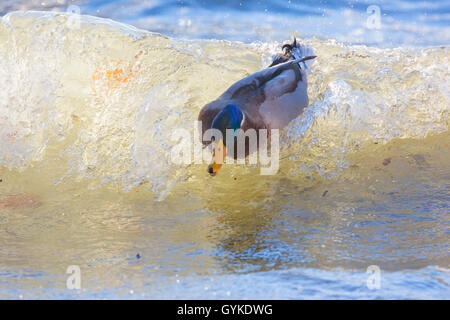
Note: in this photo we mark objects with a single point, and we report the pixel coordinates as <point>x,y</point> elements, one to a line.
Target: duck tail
<point>301,51</point>
<point>296,51</point>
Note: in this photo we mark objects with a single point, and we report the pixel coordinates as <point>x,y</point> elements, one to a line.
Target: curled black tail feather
<point>286,55</point>
<point>287,48</point>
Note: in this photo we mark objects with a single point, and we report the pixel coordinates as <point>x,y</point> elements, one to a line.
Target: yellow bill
<point>219,152</point>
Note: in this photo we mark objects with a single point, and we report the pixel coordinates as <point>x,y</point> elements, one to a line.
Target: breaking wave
<point>98,99</point>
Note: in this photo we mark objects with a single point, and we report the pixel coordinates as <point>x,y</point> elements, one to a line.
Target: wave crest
<point>101,101</point>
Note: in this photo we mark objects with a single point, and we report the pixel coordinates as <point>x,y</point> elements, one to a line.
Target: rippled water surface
<point>86,119</point>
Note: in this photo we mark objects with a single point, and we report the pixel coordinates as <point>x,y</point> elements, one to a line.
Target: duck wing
<point>261,83</point>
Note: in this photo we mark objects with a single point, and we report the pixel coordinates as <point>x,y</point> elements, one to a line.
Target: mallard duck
<point>268,99</point>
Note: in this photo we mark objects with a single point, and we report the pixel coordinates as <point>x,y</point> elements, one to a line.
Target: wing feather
<point>250,84</point>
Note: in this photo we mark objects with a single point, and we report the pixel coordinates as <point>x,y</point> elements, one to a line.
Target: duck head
<point>231,118</point>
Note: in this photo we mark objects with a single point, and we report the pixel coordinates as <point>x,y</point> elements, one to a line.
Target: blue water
<point>402,23</point>
<point>382,23</point>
